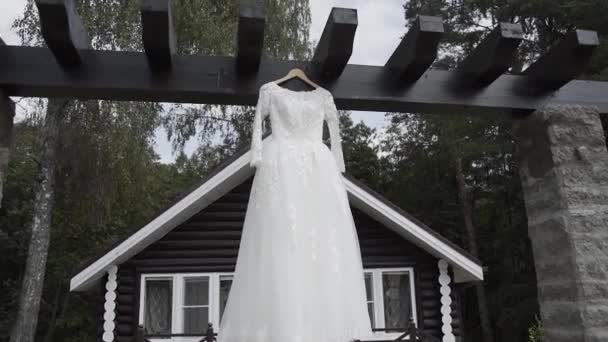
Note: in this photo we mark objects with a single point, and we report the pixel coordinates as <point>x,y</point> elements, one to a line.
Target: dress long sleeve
<point>261,112</point>
<point>331,116</point>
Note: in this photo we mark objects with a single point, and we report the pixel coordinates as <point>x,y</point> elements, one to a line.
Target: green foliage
<point>412,164</point>
<point>360,150</point>
<point>202,27</point>
<point>209,28</point>
<point>535,332</point>
<point>15,216</point>
<point>419,175</point>
<point>107,179</point>
<point>108,182</point>
<point>544,23</point>
<point>487,149</point>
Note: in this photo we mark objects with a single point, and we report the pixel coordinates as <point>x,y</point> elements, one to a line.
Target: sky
<point>381,25</point>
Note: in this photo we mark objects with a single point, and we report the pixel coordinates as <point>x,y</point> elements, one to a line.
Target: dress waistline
<point>299,140</point>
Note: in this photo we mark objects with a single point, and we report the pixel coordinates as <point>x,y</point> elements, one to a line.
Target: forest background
<point>457,173</point>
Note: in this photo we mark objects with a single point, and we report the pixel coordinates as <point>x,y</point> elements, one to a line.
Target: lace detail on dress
<point>331,116</point>
<point>298,116</point>
<point>261,112</point>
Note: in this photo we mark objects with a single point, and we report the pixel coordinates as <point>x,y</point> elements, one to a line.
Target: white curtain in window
<point>158,306</point>
<point>397,303</point>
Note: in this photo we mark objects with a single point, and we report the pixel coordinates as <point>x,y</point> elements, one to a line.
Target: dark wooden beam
<point>31,71</point>
<point>250,35</point>
<point>336,43</point>
<point>493,56</point>
<point>63,31</point>
<point>157,33</point>
<point>561,64</point>
<point>417,50</point>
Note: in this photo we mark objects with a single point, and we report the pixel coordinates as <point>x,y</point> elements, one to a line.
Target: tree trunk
<point>467,213</point>
<point>24,328</point>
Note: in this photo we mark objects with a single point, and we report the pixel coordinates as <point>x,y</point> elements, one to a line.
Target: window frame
<point>378,298</point>
<point>177,305</point>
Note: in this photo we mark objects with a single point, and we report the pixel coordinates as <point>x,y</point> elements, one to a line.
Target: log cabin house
<point>173,275</point>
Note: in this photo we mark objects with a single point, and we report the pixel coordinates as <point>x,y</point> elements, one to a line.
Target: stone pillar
<point>7,112</point>
<point>564,174</point>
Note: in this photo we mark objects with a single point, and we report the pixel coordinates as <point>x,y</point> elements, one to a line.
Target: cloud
<point>381,26</point>
<point>9,11</point>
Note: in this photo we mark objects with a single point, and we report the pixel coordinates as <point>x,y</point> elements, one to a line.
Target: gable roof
<point>234,172</point>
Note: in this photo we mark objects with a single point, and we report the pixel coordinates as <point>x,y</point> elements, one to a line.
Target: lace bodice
<point>296,117</point>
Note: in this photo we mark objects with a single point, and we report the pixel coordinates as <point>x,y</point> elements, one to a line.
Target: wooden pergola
<point>68,67</point>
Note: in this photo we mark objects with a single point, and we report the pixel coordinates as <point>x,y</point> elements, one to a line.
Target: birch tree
<point>24,329</point>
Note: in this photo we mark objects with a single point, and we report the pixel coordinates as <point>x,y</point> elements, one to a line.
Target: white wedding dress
<point>299,276</point>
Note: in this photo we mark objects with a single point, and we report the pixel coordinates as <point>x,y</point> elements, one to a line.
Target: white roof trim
<point>231,176</point>
<point>469,269</point>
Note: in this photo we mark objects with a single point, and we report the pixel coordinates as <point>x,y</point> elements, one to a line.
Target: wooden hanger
<point>296,72</point>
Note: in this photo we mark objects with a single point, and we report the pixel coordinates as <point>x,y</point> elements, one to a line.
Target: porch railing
<point>409,334</point>
<point>208,336</point>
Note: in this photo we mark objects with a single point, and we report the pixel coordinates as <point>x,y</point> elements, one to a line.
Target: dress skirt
<point>299,275</point>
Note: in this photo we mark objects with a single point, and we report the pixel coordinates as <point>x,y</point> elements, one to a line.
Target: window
<point>225,284</point>
<point>369,293</point>
<point>397,299</point>
<point>158,306</point>
<point>390,297</point>
<point>196,305</point>
<point>184,304</point>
